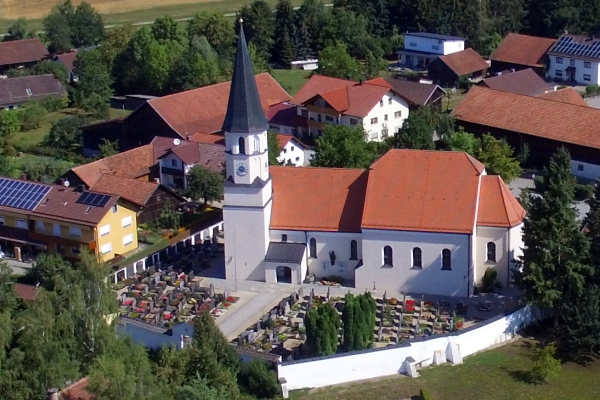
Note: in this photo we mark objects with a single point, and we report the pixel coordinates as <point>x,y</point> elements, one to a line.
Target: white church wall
<point>247,196</point>
<point>374,363</point>
<point>516,245</point>
<point>292,236</point>
<point>402,276</point>
<point>500,237</point>
<point>244,257</point>
<point>339,243</point>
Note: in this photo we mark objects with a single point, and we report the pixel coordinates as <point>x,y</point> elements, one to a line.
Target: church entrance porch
<point>285,262</point>
<point>284,274</point>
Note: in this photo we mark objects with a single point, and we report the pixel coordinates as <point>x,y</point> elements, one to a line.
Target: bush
<point>31,115</point>
<point>53,104</point>
<point>490,277</point>
<point>592,90</point>
<point>270,324</point>
<point>583,192</point>
<point>544,364</point>
<point>424,394</point>
<point>258,379</point>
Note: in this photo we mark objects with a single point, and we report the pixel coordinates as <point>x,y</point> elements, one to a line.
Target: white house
<point>373,104</point>
<point>574,60</point>
<point>293,151</point>
<point>421,48</point>
<point>415,221</point>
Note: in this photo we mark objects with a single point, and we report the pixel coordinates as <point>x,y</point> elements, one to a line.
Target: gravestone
<point>271,336</point>
<point>265,318</point>
<point>380,334</point>
<point>274,314</point>
<point>157,278</point>
<point>240,341</point>
<point>211,290</point>
<point>257,327</point>
<point>181,284</point>
<point>301,293</point>
<point>251,337</point>
<point>287,309</point>
<point>226,294</point>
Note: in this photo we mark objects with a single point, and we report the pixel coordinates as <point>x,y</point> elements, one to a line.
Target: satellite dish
<point>176,142</point>
<point>67,183</point>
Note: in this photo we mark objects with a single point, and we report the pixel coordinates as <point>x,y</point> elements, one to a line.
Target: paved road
<point>593,101</point>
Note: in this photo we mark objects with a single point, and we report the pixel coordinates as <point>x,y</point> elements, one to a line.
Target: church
<point>429,222</point>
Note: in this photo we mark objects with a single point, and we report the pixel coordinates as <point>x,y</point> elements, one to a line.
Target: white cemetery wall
<point>386,361</point>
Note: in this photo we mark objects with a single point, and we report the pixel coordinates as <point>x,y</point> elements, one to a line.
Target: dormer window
<point>28,92</point>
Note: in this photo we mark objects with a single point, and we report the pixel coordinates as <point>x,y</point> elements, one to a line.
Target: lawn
<point>455,98</point>
<point>499,374</point>
<point>25,139</point>
<point>291,79</point>
<point>120,11</point>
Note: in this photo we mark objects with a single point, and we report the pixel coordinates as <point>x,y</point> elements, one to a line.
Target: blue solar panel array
<point>567,45</point>
<point>20,194</point>
<point>93,199</point>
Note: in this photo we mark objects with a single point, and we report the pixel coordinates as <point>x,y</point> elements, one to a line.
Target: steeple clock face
<point>241,169</point>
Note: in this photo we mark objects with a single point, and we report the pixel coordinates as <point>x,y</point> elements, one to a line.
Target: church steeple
<point>244,111</point>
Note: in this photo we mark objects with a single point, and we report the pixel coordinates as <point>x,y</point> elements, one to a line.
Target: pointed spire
<point>244,110</point>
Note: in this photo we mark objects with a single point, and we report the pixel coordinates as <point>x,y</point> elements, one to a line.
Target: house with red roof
<point>447,70</point>
<point>414,222</point>
<point>21,54</point>
<point>518,52</point>
<point>374,104</point>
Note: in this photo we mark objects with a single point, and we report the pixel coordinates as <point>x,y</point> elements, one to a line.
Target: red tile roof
<point>29,88</point>
<point>133,190</point>
<point>214,138</point>
<point>534,116</point>
<point>133,164</point>
<point>464,62</point>
<point>285,115</point>
<point>347,97</point>
<point>26,292</point>
<point>283,140</point>
<point>204,109</point>
<point>408,190</point>
<point>525,82</point>
<point>209,155</point>
<point>414,92</point>
<point>566,95</point>
<point>22,51</point>
<point>414,190</point>
<point>334,201</point>
<point>523,50</point>
<point>497,206</point>
<point>77,391</point>
<point>68,59</point>
<point>61,202</point>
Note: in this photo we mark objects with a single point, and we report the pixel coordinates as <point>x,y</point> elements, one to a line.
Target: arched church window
<point>241,145</point>
<point>354,250</point>
<point>312,248</point>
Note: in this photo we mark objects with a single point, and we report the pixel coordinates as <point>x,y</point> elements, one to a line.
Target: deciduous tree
<point>204,183</point>
<point>87,26</point>
<point>65,135</point>
<point>498,158</point>
<point>335,61</point>
<point>93,90</point>
<point>18,31</point>
<point>57,27</point>
<point>274,148</point>
<point>343,147</point>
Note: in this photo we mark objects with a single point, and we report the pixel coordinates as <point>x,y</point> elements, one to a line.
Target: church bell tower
<point>248,189</point>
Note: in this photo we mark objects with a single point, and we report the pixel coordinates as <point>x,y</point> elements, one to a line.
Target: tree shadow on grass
<point>522,376</point>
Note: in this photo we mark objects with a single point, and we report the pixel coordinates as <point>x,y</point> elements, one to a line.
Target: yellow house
<point>59,219</point>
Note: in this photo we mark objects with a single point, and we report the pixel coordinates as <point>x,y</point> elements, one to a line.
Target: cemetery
<point>282,330</point>
<point>164,298</point>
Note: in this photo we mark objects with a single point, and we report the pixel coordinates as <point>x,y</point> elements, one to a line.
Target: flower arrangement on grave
<point>226,304</point>
<point>410,306</point>
<point>392,301</point>
<point>266,346</point>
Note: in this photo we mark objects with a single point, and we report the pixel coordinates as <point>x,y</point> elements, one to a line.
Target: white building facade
<point>421,48</point>
<point>575,60</point>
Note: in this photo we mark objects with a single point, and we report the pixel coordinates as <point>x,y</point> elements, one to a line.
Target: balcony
<point>322,110</point>
<point>171,171</point>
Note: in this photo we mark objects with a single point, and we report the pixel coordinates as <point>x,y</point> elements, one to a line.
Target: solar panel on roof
<point>93,199</point>
<point>20,194</point>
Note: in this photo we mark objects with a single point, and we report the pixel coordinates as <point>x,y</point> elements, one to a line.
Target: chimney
<point>361,81</point>
<point>23,177</point>
<point>52,394</point>
<point>157,180</point>
<point>81,188</point>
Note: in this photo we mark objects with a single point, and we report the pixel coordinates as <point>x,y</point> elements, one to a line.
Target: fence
<point>373,363</point>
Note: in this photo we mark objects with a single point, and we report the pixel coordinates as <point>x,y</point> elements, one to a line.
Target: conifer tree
<point>322,326</point>
<point>554,262</point>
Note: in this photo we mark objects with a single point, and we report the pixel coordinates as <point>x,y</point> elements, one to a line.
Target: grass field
<point>290,79</point>
<point>116,12</point>
<point>499,374</point>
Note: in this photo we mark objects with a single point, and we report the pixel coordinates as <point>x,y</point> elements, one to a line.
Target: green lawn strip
<point>150,14</point>
<point>291,79</point>
<point>498,374</point>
